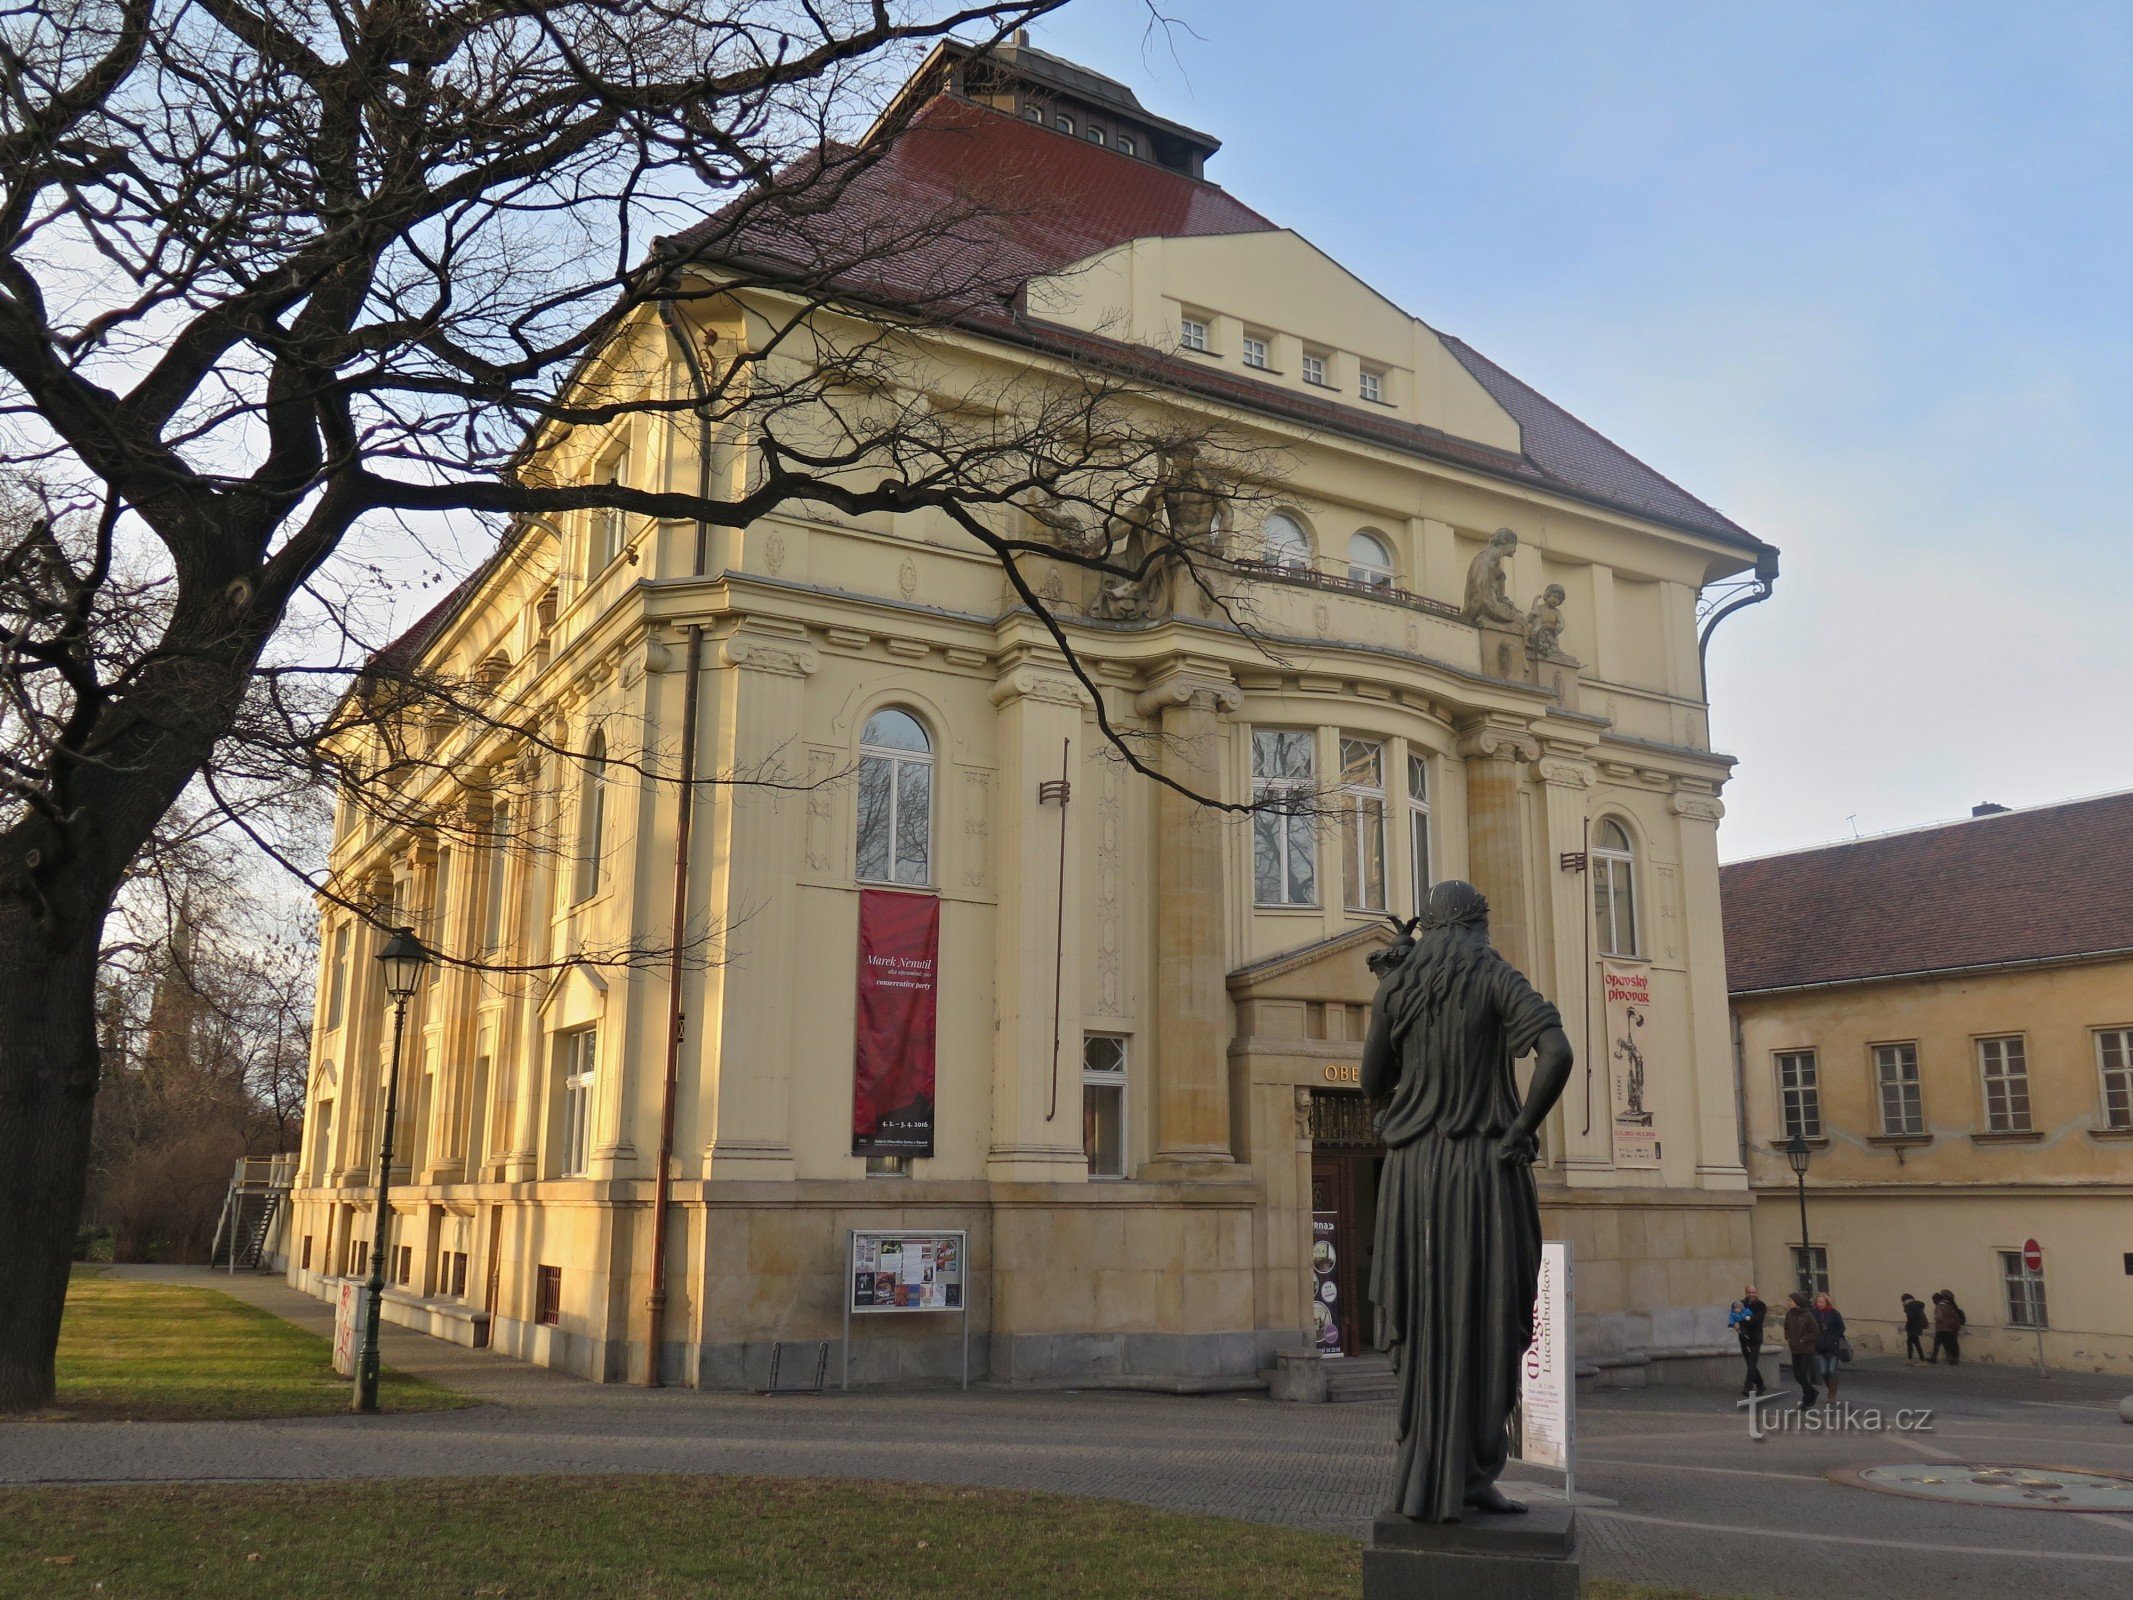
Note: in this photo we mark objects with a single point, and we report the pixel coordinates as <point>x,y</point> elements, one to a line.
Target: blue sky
<point>1855,274</point>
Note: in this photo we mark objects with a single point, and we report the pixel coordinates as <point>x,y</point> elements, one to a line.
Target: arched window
<point>895,799</point>
<point>1614,888</point>
<point>1126,146</point>
<point>592,818</point>
<point>1287,545</point>
<point>1369,560</point>
<point>1063,122</point>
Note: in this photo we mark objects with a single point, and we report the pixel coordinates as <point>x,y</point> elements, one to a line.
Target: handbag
<point>1844,1351</point>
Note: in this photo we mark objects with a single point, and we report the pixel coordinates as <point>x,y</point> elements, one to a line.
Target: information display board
<point>1325,1283</point>
<point>1547,1377</point>
<point>347,1314</point>
<point>906,1270</point>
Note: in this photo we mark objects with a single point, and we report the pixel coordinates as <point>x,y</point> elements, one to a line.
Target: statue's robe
<point>1458,1230</point>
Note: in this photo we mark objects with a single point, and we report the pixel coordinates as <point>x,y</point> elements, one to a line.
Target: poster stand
<point>1546,1419</point>
<point>905,1271</point>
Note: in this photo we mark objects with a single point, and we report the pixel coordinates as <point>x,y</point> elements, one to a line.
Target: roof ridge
<point>1917,828</point>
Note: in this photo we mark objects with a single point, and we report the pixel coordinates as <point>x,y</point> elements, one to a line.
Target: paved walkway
<point>1680,1493</point>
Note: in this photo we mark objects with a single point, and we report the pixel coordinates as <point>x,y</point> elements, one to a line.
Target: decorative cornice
<point>776,656</point>
<point>1560,774</point>
<point>1702,807</point>
<point>1032,683</point>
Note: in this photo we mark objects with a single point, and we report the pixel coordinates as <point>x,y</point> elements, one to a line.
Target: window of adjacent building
<point>608,523</point>
<point>1034,113</point>
<point>1126,146</point>
<point>2025,1292</point>
<point>1103,1104</point>
<point>1810,1268</point>
<point>1192,333</point>
<point>1614,888</point>
<point>1799,1094</point>
<point>1370,384</point>
<point>581,1052</point>
<point>1284,831</point>
<point>592,819</point>
<point>1096,135</point>
<point>337,978</point>
<point>2003,1065</point>
<point>499,854</point>
<point>1363,824</point>
<point>1896,1080</point>
<point>1286,544</point>
<point>895,799</point>
<point>1370,559</point>
<point>1255,351</point>
<point>2114,1061</point>
<point>1418,828</point>
<point>547,1296</point>
<point>1314,368</point>
<point>1063,122</point>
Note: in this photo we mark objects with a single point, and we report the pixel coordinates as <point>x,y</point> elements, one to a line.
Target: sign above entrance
<point>1343,1072</point>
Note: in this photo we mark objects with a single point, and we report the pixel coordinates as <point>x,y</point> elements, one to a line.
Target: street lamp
<point>1797,1152</point>
<point>402,960</point>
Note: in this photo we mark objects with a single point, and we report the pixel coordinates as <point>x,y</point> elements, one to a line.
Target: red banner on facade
<point>892,1065</point>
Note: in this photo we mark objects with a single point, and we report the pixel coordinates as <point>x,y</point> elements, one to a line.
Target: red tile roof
<point>2051,882</point>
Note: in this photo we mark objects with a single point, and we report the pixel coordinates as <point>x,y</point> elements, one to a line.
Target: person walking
<point>1831,1346</point>
<point>1802,1335</point>
<point>1948,1320</point>
<point>1750,1313</point>
<point>1914,1330</point>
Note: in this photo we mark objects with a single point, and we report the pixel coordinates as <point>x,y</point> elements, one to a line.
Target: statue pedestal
<point>1533,1557</point>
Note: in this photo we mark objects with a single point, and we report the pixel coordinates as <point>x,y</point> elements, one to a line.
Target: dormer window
<point>1034,113</point>
<point>1370,384</point>
<point>1255,351</point>
<point>1192,334</point>
<point>1096,134</point>
<point>1314,369</point>
<point>1063,122</point>
<point>1126,146</point>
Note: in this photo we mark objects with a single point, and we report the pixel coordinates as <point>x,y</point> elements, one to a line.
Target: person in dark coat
<point>1753,1313</point>
<point>1458,1239</point>
<point>1948,1320</point>
<point>1802,1337</point>
<point>1831,1346</point>
<point>1914,1329</point>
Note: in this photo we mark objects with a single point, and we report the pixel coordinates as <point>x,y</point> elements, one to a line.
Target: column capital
<point>1187,688</point>
<point>1488,739</point>
<point>786,658</point>
<point>1699,806</point>
<point>1053,688</point>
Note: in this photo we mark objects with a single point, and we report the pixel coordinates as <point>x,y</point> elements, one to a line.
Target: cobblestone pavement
<point>1674,1489</point>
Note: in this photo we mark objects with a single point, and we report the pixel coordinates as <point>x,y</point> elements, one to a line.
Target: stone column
<point>1566,779</point>
<point>1496,854</point>
<point>533,922</point>
<point>753,849</point>
<point>1718,1156</point>
<point>1040,709</point>
<point>1191,1002</point>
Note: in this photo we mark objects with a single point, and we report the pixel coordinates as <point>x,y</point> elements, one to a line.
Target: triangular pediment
<point>1335,969</point>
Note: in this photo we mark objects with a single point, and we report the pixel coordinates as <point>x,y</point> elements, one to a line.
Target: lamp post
<point>402,959</point>
<point>1797,1152</point>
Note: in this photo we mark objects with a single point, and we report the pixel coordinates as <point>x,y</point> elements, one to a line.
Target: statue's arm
<point>1551,1074</point>
<point>1381,1062</point>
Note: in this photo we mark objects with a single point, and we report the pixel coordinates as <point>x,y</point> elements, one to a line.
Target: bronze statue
<point>1544,624</point>
<point>1458,1226</point>
<point>1486,598</point>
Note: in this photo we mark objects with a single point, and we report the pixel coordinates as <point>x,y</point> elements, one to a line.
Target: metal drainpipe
<point>1766,577</point>
<point>684,817</point>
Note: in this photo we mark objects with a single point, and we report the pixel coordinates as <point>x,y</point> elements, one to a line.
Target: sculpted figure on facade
<point>1487,600</point>
<point>1173,524</point>
<point>1458,1226</point>
<point>1544,624</point>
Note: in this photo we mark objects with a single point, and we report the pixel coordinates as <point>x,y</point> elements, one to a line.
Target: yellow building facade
<point>1945,1018</point>
<point>1149,1012</point>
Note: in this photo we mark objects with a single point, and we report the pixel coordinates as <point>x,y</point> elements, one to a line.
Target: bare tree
<point>269,268</point>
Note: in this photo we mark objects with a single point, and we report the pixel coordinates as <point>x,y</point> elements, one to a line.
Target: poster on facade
<point>905,1272</point>
<point>892,1066</point>
<point>1325,1283</point>
<point>1628,1012</point>
<point>347,1314</point>
<point>1547,1393</point>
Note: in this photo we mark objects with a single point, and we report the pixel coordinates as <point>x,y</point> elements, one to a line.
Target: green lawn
<point>159,1352</point>
<point>637,1538</point>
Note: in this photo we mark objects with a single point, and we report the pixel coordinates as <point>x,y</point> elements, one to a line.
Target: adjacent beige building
<point>1946,1018</point>
<point>1140,1205</point>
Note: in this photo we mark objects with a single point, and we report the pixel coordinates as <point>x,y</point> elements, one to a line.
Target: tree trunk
<point>48,1074</point>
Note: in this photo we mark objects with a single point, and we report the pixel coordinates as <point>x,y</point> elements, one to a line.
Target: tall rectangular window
<point>580,1054</point>
<point>2025,1292</point>
<point>609,527</point>
<point>499,853</point>
<point>1192,333</point>
<point>1363,824</point>
<point>1284,830</point>
<point>1896,1079</point>
<point>1799,1094</point>
<point>1418,828</point>
<point>2114,1061</point>
<point>440,909</point>
<point>337,979</point>
<point>1810,1268</point>
<point>2003,1068</point>
<point>322,1142</point>
<point>1103,1104</point>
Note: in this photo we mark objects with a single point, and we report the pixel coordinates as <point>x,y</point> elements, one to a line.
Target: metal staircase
<point>245,1234</point>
